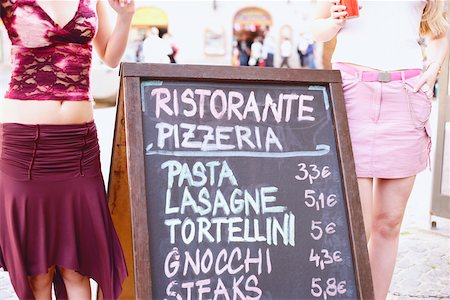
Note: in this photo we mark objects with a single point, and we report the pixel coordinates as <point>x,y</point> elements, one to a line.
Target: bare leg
<point>41,285</point>
<point>365,186</point>
<point>390,199</point>
<point>77,286</point>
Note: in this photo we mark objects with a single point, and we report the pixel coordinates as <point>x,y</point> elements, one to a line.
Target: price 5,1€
<point>321,201</point>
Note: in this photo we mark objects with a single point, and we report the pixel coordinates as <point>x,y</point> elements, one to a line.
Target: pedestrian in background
<point>305,50</point>
<point>388,101</point>
<point>285,52</point>
<point>155,49</point>
<point>256,52</point>
<point>268,48</point>
<point>170,40</point>
<point>140,49</point>
<point>244,46</point>
<point>54,219</point>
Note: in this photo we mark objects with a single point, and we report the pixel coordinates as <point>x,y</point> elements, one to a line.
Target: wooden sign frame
<point>127,193</point>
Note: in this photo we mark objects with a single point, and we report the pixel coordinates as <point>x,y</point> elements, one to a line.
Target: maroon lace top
<point>50,62</point>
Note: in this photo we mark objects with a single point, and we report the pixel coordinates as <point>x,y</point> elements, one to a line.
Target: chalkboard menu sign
<point>241,184</point>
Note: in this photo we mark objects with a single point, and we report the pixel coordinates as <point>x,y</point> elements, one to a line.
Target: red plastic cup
<point>352,8</point>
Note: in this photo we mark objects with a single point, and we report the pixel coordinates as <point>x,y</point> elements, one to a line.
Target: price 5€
<point>317,231</point>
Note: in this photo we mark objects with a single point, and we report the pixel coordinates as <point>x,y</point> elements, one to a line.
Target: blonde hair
<point>434,18</point>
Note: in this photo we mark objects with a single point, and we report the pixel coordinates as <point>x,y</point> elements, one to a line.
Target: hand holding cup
<point>352,8</point>
<point>338,13</point>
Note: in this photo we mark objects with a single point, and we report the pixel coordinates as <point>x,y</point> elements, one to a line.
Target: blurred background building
<point>208,32</point>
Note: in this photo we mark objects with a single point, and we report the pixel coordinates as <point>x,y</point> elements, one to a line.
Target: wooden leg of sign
<point>119,197</point>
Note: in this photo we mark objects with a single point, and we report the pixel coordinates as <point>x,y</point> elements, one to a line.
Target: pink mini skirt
<point>389,125</point>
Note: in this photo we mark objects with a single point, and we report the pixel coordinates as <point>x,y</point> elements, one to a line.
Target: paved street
<point>423,268</point>
<point>423,263</point>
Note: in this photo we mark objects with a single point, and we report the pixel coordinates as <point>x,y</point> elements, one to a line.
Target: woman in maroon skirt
<point>54,220</point>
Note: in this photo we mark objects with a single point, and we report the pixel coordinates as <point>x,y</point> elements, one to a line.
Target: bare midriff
<point>363,68</point>
<point>45,111</point>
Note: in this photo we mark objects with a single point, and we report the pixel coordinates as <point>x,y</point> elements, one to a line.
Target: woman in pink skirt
<point>388,102</point>
<point>54,220</point>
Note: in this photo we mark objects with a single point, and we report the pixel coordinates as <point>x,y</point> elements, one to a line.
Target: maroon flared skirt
<point>53,207</point>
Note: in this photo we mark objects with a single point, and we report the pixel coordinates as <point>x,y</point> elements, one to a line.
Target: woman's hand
<point>123,7</point>
<point>428,79</point>
<point>437,50</point>
<point>338,13</point>
<point>329,18</point>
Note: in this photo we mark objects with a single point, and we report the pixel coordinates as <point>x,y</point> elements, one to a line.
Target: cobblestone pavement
<point>423,265</point>
<point>423,273</point>
<point>423,262</point>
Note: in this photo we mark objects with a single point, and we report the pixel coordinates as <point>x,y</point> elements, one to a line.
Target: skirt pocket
<point>419,103</point>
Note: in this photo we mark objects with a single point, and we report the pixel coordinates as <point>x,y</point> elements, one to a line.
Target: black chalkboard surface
<point>244,185</point>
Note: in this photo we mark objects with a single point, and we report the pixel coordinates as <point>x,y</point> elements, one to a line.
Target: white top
<point>156,50</point>
<point>256,49</point>
<point>286,48</point>
<point>385,36</point>
<point>269,44</point>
